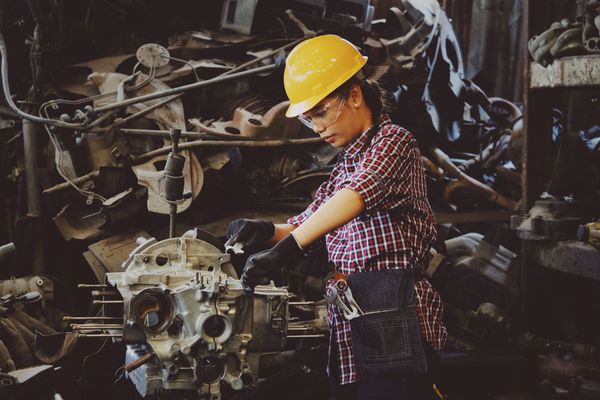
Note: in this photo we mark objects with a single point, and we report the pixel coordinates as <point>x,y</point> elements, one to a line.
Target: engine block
<point>189,326</point>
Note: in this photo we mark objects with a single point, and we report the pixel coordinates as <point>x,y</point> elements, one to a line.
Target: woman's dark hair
<point>372,92</point>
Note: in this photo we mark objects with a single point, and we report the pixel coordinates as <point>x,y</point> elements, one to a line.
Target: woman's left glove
<point>259,266</point>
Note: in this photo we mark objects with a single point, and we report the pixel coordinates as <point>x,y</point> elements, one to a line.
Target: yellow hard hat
<point>315,68</point>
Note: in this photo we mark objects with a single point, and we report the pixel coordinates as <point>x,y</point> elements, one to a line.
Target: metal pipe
<point>139,362</point>
<point>160,133</point>
<point>76,181</point>
<point>100,335</point>
<point>30,149</point>
<point>184,88</point>
<point>149,109</point>
<point>96,326</point>
<point>108,302</point>
<point>232,143</point>
<point>306,336</point>
<point>91,285</point>
<point>96,293</point>
<point>92,318</point>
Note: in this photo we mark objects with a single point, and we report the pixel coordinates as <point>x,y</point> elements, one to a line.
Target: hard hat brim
<point>296,109</point>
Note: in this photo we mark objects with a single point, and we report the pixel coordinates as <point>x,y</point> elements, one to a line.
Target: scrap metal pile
<point>107,131</point>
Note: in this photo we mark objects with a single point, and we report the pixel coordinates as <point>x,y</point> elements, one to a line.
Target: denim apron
<point>386,340</point>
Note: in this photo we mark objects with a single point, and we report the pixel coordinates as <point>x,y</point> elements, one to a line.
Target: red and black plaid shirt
<point>395,230</point>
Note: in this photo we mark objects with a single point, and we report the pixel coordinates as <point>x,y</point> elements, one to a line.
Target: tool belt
<point>386,336</point>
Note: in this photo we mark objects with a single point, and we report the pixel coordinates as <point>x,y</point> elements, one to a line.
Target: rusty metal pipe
<point>464,180</point>
<point>139,362</point>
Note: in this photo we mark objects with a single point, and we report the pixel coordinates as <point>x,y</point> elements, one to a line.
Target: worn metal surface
<point>572,257</point>
<point>580,71</point>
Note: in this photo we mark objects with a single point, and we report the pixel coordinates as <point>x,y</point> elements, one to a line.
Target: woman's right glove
<point>248,234</point>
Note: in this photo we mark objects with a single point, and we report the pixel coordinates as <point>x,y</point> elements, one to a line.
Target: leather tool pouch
<point>386,340</point>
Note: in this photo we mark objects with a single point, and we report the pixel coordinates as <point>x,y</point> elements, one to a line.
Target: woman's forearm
<point>341,208</point>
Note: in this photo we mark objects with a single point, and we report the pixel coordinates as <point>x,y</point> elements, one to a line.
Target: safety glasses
<point>324,115</point>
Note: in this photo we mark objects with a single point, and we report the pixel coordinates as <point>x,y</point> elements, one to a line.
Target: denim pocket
<point>384,344</point>
<point>384,336</point>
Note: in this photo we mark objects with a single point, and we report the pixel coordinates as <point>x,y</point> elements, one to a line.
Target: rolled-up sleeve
<point>322,194</point>
<point>385,169</point>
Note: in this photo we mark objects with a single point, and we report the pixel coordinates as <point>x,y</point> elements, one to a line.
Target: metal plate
<point>153,54</point>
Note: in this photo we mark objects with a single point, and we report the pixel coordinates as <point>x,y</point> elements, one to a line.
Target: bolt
<point>146,259</point>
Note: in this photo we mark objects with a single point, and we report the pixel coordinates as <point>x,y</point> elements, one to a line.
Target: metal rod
<point>108,302</point>
<point>76,181</point>
<point>184,88</point>
<point>139,362</point>
<point>96,293</point>
<point>91,286</point>
<point>226,143</point>
<point>149,109</point>
<point>101,335</point>
<point>92,318</point>
<point>160,133</point>
<point>305,336</point>
<point>301,303</point>
<point>172,215</point>
<point>96,326</point>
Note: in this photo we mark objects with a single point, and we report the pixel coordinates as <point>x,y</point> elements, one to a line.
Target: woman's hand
<point>249,233</point>
<point>260,266</point>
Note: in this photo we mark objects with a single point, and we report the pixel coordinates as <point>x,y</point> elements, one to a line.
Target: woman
<point>375,217</point>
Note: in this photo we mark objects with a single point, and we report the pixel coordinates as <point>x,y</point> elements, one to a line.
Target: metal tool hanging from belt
<point>340,294</point>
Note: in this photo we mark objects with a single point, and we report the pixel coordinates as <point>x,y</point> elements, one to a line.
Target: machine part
<point>8,253</point>
<point>150,175</point>
<point>17,347</point>
<point>411,28</point>
<point>238,16</point>
<point>591,26</point>
<point>539,46</point>
<point>273,124</point>
<point>445,88</point>
<point>552,219</point>
<point>75,222</point>
<point>152,55</point>
<point>184,88</point>
<point>589,233</point>
<point>6,362</point>
<point>108,254</point>
<point>184,304</point>
<point>487,327</point>
<point>571,257</point>
<point>170,115</point>
<point>39,284</point>
<point>174,179</point>
<point>495,262</point>
<point>464,180</point>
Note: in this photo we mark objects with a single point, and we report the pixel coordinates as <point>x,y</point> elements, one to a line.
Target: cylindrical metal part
<point>139,362</point>
<point>91,286</point>
<point>98,293</point>
<point>96,326</point>
<point>91,318</point>
<point>172,215</point>
<point>108,301</point>
<point>30,150</point>
<point>175,135</point>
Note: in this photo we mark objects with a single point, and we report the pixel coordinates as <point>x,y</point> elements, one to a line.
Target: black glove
<point>259,267</point>
<point>249,232</point>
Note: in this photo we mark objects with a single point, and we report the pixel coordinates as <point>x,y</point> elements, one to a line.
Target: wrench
<point>349,311</point>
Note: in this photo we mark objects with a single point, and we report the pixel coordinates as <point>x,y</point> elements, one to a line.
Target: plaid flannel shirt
<point>395,230</point>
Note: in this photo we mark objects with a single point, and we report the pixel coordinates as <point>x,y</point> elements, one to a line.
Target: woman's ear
<point>355,96</point>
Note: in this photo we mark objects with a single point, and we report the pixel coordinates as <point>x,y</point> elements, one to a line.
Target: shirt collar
<point>358,144</point>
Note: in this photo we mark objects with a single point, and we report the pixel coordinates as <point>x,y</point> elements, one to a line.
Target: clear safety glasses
<point>324,115</point>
